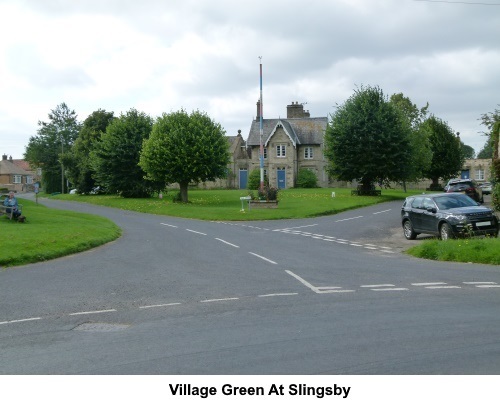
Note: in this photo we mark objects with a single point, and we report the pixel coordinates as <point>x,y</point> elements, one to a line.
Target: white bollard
<point>333,194</point>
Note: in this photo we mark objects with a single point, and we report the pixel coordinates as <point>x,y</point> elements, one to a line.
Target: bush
<point>269,193</point>
<point>306,179</point>
<point>254,180</point>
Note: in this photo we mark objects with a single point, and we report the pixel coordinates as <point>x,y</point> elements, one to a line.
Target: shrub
<point>269,193</point>
<point>254,180</point>
<point>306,179</point>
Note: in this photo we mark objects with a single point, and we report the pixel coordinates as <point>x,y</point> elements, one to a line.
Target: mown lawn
<point>225,205</point>
<point>49,233</point>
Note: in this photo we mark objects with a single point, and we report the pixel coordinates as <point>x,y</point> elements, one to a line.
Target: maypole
<point>261,132</point>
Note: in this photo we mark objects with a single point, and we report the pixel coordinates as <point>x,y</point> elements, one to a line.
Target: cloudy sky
<point>162,55</point>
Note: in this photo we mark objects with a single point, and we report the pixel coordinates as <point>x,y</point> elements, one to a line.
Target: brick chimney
<point>4,157</point>
<point>296,110</point>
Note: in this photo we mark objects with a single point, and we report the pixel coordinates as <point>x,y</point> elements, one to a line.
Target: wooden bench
<point>3,209</point>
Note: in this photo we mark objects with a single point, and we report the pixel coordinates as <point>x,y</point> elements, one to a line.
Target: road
<point>329,295</point>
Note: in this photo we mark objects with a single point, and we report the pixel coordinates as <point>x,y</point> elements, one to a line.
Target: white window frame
<point>479,174</point>
<point>29,179</point>
<point>281,150</point>
<point>17,179</point>
<point>308,152</point>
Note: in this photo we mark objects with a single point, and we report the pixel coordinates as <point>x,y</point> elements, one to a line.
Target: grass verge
<point>50,233</point>
<point>475,250</point>
<point>225,205</point>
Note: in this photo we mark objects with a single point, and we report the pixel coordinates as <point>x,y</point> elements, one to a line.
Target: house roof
<point>23,164</point>
<point>302,131</point>
<point>8,167</point>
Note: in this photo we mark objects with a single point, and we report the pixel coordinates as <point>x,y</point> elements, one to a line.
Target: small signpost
<point>243,199</point>
<point>37,190</point>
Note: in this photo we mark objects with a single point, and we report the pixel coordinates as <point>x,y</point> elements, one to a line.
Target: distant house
<point>290,144</point>
<point>14,177</point>
<point>477,169</point>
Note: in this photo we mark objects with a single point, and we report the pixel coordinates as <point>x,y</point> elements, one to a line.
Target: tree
<point>115,157</point>
<point>468,152</point>
<point>487,151</point>
<point>80,171</point>
<point>185,148</point>
<point>447,158</point>
<point>53,142</point>
<point>306,179</point>
<point>367,140</point>
<point>254,179</point>
<point>421,153</point>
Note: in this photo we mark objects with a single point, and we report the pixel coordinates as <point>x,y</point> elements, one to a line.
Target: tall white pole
<point>261,132</point>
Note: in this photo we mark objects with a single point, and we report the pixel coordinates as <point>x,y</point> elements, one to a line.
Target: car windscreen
<point>454,201</point>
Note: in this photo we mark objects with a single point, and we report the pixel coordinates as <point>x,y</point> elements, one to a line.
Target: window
<point>17,179</point>
<point>265,153</point>
<point>479,174</point>
<point>280,150</point>
<point>308,152</point>
<point>29,179</point>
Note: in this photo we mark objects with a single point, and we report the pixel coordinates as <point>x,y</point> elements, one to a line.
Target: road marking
<point>381,212</point>
<point>159,305</point>
<point>20,320</point>
<point>317,290</point>
<point>478,282</point>
<point>92,312</point>
<point>221,299</point>
<point>435,287</point>
<point>199,233</point>
<point>349,219</point>
<point>276,295</point>
<point>263,258</point>
<point>377,285</point>
<point>488,286</point>
<point>370,247</point>
<point>227,243</point>
<point>171,226</point>
<point>389,289</point>
<point>426,284</point>
<point>294,227</point>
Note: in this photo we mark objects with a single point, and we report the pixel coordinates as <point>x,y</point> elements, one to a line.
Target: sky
<point>159,56</point>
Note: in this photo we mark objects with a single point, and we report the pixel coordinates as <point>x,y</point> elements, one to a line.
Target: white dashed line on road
<point>92,312</point>
<point>226,242</point>
<point>199,233</point>
<point>263,258</point>
<point>20,320</point>
<point>159,305</point>
<point>220,299</point>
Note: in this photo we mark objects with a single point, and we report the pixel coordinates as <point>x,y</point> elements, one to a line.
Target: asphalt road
<point>329,295</point>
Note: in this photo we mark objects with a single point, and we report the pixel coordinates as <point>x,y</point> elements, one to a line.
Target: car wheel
<point>408,231</point>
<point>445,232</point>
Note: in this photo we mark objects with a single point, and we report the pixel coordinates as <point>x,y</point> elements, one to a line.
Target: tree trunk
<point>184,191</point>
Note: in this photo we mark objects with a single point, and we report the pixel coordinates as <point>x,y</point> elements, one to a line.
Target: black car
<point>466,186</point>
<point>446,215</point>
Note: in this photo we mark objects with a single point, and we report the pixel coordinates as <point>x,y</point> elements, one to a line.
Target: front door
<point>281,178</point>
<point>243,179</point>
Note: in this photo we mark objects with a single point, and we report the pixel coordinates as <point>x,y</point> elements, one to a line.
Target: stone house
<point>477,169</point>
<point>13,176</point>
<point>290,144</point>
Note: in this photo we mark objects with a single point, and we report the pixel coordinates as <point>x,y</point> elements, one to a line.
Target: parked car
<point>468,187</point>
<point>449,182</point>
<point>446,215</point>
<point>486,188</point>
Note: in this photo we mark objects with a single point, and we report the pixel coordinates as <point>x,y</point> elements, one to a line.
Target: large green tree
<point>447,157</point>
<point>421,153</point>
<point>367,140</point>
<point>53,141</point>
<point>115,157</point>
<point>185,148</point>
<point>80,171</point>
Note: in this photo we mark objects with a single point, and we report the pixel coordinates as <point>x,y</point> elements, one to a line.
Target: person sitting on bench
<point>11,203</point>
